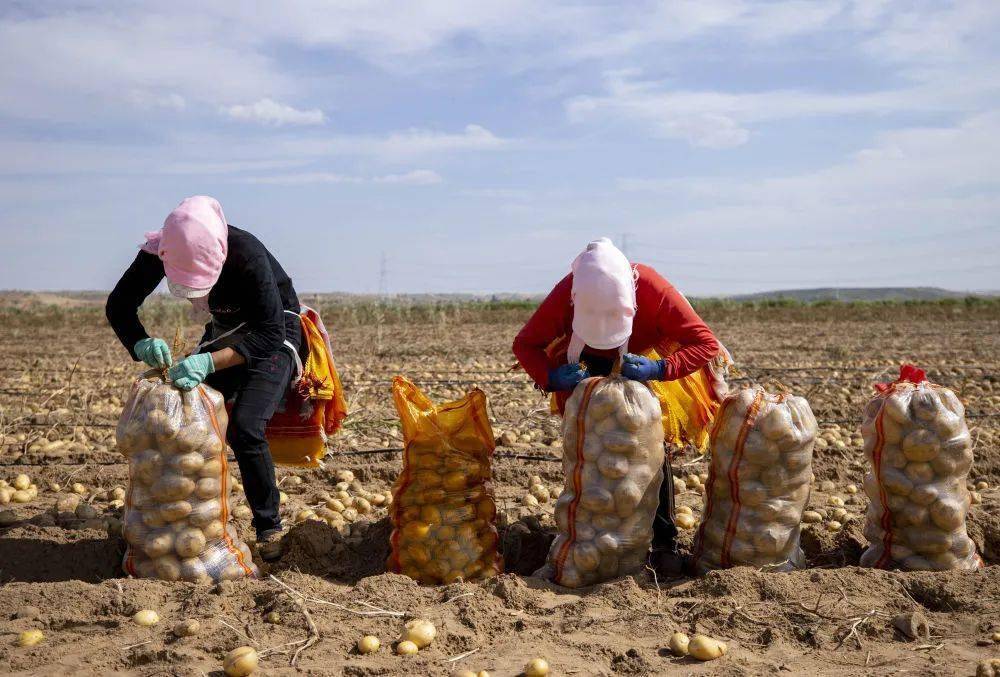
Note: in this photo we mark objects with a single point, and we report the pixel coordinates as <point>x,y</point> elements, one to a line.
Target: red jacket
<point>664,321</point>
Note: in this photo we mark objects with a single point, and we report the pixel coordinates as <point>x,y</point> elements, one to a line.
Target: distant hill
<point>82,299</point>
<point>856,294</point>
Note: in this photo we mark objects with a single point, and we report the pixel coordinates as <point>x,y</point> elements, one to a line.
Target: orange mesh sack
<point>177,518</point>
<point>613,462</point>
<point>758,482</point>
<point>918,444</point>
<point>443,511</point>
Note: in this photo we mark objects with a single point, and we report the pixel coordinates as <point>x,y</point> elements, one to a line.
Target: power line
<point>383,274</point>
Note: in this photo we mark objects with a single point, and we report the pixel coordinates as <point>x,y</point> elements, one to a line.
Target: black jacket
<point>252,288</point>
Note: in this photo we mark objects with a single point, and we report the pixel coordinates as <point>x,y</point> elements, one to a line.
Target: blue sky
<point>737,146</point>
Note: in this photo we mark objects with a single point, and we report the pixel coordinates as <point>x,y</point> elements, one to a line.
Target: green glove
<point>191,371</point>
<point>154,352</point>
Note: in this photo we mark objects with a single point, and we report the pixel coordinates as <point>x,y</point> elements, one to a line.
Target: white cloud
<point>720,119</point>
<point>270,112</point>
<point>417,177</point>
<point>150,100</point>
<point>184,153</point>
<point>911,181</point>
<point>422,141</point>
<point>62,65</point>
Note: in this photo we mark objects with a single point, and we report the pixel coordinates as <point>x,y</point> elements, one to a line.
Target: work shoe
<point>667,562</point>
<point>525,546</point>
<point>271,544</point>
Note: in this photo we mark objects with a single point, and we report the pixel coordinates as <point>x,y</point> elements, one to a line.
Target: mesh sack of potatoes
<point>919,446</point>
<point>758,482</point>
<point>177,512</point>
<point>613,463</point>
<point>443,512</point>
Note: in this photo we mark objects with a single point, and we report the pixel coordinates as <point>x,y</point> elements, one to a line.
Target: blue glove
<point>566,377</point>
<point>191,371</point>
<point>639,368</point>
<point>154,352</point>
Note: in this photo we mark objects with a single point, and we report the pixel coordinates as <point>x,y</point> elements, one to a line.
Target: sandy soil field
<point>63,378</point>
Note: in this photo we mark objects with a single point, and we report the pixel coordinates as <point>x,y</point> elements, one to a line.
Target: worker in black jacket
<point>251,345</point>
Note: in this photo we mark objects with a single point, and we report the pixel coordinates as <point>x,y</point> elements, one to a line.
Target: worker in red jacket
<point>606,309</point>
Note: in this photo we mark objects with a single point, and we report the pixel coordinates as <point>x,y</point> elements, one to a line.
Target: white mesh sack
<point>758,484</point>
<point>919,446</point>
<point>613,462</point>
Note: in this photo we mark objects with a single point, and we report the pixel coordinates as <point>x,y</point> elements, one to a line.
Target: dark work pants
<point>664,529</point>
<point>255,394</point>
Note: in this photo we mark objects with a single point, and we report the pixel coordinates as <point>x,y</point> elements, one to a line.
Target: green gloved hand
<point>191,371</point>
<point>154,352</point>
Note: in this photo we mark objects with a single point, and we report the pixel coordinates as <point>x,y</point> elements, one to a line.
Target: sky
<point>447,146</point>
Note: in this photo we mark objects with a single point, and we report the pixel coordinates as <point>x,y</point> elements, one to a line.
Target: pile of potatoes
<point>177,509</point>
<point>761,447</point>
<point>443,510</point>
<point>918,444</point>
<point>613,463</point>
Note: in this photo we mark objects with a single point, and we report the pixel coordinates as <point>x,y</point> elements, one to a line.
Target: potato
<point>540,493</point>
<point>204,513</point>
<point>207,488</point>
<point>190,542</point>
<point>406,648</point>
<point>921,445</point>
<point>146,618</point>
<point>21,497</point>
<point>679,643</point>
<point>240,662</point>
<point>188,464</point>
<point>212,467</point>
<point>173,512</point>
<point>536,667</point>
<point>193,570</point>
<point>30,637</point>
<point>167,568</point>
<point>705,648</point>
<point>685,521</point>
<point>21,482</point>
<point>586,556</point>
<point>186,628</point>
<point>419,631</point>
<point>159,543</point>
<point>368,644</point>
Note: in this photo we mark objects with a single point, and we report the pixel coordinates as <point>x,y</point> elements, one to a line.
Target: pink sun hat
<point>603,298</point>
<point>192,244</point>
